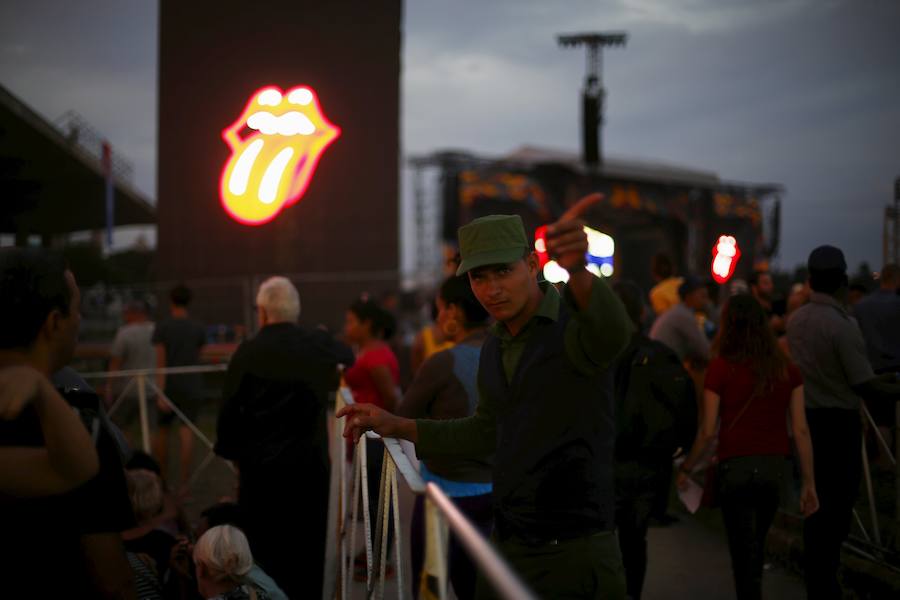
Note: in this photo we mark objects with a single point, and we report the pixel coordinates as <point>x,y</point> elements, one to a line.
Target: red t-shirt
<point>762,430</point>
<point>359,376</point>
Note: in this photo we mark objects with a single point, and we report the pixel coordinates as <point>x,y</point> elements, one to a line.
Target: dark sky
<point>801,92</point>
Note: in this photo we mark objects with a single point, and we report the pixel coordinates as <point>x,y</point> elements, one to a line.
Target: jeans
<point>837,442</point>
<point>748,491</point>
<point>636,491</point>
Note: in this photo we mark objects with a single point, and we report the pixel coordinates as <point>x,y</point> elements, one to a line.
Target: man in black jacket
<point>656,414</point>
<point>273,428</point>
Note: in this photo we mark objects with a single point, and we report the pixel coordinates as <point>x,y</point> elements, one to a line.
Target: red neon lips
<point>272,167</point>
<point>725,258</point>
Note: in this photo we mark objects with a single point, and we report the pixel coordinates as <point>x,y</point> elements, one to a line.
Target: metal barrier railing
<point>875,538</point>
<point>350,493</point>
<point>144,381</point>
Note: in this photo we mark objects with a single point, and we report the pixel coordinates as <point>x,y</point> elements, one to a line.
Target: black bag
<point>656,404</point>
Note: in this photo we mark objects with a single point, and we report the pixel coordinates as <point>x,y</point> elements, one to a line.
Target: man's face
<point>504,290</point>
<point>765,286</point>
<point>65,334</point>
<point>698,299</point>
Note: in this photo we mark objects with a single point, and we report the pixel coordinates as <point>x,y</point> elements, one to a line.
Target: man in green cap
<point>545,407</point>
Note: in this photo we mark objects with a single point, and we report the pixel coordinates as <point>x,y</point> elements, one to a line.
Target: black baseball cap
<point>826,258</point>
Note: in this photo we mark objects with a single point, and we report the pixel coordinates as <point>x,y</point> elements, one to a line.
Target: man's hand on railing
<point>365,417</point>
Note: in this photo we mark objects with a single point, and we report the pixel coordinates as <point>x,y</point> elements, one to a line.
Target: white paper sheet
<point>691,495</point>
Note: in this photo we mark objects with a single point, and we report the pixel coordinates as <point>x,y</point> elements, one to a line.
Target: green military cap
<point>491,240</point>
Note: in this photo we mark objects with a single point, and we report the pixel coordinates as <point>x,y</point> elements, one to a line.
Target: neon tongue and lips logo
<point>275,146</point>
<point>726,254</point>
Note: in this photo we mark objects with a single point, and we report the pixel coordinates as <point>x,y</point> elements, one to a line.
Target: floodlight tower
<point>593,94</point>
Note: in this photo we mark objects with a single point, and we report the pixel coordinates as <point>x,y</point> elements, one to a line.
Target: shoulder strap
<point>742,411</point>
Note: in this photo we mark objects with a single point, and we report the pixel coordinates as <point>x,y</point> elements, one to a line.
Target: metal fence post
<point>142,406</point>
<point>868,475</point>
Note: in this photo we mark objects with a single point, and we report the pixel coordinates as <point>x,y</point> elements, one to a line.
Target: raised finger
<point>579,208</point>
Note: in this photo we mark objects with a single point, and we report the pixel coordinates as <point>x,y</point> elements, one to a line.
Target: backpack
<point>656,404</point>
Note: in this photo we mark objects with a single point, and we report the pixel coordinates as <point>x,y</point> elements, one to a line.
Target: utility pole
<point>593,94</point>
<point>891,237</point>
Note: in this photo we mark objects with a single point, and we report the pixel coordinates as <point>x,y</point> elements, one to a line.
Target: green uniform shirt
<point>593,339</point>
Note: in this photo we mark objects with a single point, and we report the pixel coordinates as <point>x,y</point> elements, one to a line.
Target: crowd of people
<point>556,418</point>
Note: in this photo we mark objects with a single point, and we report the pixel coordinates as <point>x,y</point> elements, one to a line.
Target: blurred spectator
<point>664,294</point>
<point>132,348</point>
<point>223,560</point>
<point>856,293</point>
<point>827,345</point>
<point>446,388</point>
<point>878,316</point>
<point>373,379</point>
<point>738,286</point>
<point>272,426</point>
<point>656,417</point>
<point>879,319</point>
<point>678,328</point>
<point>229,513</point>
<point>430,340</point>
<point>151,545</point>
<point>798,297</point>
<point>69,544</point>
<point>178,342</point>
<point>762,288</point>
<point>754,388</point>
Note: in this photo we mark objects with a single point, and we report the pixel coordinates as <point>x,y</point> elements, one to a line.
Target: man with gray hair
<point>272,427</point>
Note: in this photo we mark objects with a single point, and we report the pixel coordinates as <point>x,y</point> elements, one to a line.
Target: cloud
<point>698,16</point>
<point>801,92</point>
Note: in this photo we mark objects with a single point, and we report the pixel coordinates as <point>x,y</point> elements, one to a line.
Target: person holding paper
<point>751,384</point>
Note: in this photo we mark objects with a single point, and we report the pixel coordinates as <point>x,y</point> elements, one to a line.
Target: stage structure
<point>278,151</point>
<point>648,208</point>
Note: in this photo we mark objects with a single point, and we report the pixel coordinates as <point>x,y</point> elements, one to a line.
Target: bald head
<point>279,299</point>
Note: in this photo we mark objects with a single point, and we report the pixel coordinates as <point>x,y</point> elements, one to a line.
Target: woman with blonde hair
<point>223,559</point>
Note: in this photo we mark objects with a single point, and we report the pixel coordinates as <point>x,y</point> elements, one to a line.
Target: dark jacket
<point>554,474</point>
<point>274,401</point>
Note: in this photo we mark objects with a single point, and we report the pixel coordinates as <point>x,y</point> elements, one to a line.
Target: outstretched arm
<point>603,326</point>
<point>368,417</point>
<point>705,435</point>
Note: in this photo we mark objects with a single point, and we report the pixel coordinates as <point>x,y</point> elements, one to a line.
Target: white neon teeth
<point>295,123</point>
<point>300,96</point>
<point>291,123</point>
<point>268,187</point>
<point>240,176</point>
<point>269,97</point>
